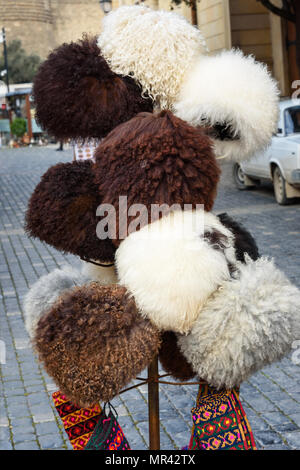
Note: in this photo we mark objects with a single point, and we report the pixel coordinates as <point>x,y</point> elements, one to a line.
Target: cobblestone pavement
<point>28,420</point>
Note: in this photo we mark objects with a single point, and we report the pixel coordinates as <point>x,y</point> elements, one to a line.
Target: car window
<point>292,120</point>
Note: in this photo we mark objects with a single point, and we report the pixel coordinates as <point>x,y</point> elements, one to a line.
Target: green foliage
<point>18,127</point>
<point>21,66</point>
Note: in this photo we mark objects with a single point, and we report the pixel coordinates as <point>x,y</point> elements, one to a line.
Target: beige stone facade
<point>42,25</point>
<point>244,24</point>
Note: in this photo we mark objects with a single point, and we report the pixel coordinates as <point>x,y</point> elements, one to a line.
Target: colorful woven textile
<point>220,422</point>
<point>108,434</point>
<point>79,423</point>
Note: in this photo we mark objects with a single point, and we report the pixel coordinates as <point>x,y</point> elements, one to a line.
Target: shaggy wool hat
<point>78,96</point>
<point>154,159</point>
<point>197,255</point>
<point>244,243</point>
<point>250,322</point>
<point>93,342</point>
<point>62,212</point>
<point>170,356</point>
<point>236,98</point>
<point>156,48</point>
<point>44,293</point>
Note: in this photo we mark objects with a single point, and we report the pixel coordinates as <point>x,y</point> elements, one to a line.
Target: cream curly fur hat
<point>173,265</point>
<point>156,48</point>
<point>235,95</point>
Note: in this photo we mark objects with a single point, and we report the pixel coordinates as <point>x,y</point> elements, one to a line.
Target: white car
<point>280,163</point>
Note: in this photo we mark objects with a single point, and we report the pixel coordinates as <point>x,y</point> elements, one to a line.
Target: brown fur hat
<point>156,159</point>
<point>171,358</point>
<point>78,96</point>
<point>62,212</point>
<point>93,342</point>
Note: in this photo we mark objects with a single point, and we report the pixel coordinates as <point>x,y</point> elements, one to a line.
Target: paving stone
<point>41,399</point>
<point>267,437</point>
<point>296,418</point>
<point>48,427</point>
<point>288,406</point>
<point>23,436</point>
<point>278,447</point>
<point>3,419</point>
<point>50,441</point>
<point>42,415</point>
<point>18,410</point>
<point>5,445</point>
<point>28,445</point>
<point>293,439</point>
<point>4,433</point>
<point>22,423</point>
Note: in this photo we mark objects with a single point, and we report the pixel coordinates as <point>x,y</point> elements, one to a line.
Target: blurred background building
<point>42,25</point>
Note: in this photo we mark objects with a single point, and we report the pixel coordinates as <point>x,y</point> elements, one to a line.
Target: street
<point>28,419</point>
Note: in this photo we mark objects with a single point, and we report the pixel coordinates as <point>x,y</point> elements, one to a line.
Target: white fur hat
<point>233,91</point>
<point>173,265</point>
<point>247,324</point>
<point>156,48</point>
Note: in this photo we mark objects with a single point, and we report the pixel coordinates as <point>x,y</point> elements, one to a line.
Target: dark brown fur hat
<point>156,159</point>
<point>62,212</point>
<point>171,358</point>
<point>78,96</point>
<point>93,342</point>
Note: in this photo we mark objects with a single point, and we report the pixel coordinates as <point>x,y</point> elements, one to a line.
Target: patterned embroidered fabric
<point>79,423</point>
<point>220,423</point>
<point>108,434</point>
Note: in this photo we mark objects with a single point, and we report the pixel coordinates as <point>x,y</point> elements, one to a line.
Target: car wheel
<point>279,187</point>
<point>239,177</point>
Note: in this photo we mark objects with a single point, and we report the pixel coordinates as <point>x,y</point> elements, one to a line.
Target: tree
<point>290,10</point>
<point>18,127</point>
<point>22,67</point>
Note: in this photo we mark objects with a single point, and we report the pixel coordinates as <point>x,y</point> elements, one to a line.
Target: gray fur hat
<point>248,323</point>
<point>42,295</point>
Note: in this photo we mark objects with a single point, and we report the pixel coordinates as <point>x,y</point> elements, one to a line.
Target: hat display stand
<point>153,380</point>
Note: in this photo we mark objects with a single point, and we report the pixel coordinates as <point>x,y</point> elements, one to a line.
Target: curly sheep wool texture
<point>248,323</point>
<point>170,355</point>
<point>44,293</point>
<point>193,266</point>
<point>93,342</point>
<point>154,159</point>
<point>233,92</point>
<point>78,96</point>
<point>62,212</point>
<point>156,48</point>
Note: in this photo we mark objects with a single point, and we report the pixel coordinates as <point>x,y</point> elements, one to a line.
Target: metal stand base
<point>153,405</point>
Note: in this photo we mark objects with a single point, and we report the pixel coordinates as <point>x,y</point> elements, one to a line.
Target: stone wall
<point>30,21</point>
<point>72,18</point>
<point>42,25</point>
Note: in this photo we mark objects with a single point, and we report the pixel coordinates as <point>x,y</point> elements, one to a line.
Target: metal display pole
<point>153,405</point>
<point>5,58</point>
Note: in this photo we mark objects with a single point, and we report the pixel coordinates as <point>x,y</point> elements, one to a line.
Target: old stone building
<point>41,25</point>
